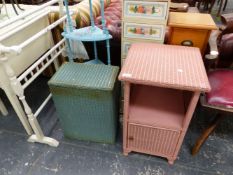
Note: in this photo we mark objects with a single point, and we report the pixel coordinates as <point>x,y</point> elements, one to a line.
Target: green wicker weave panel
<point>86,99</point>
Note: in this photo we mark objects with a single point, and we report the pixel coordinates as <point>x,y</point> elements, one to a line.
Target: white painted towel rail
<point>19,83</point>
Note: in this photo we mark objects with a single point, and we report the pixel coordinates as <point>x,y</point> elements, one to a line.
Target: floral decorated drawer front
<point>144,31</point>
<point>155,10</point>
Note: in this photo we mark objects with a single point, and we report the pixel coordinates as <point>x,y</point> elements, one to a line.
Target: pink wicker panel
<point>165,66</point>
<point>152,140</point>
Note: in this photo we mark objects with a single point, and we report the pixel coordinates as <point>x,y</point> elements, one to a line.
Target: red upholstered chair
<point>220,97</point>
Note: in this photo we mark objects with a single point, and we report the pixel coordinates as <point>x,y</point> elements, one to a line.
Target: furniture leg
<point>171,161</point>
<point>205,134</point>
<point>206,5</point>
<point>220,7</point>
<point>70,53</point>
<point>211,5</point>
<point>17,88</point>
<point>126,152</point>
<point>199,4</point>
<point>18,109</point>
<point>56,64</point>
<point>13,5</point>
<point>125,117</point>
<point>225,5</point>
<point>17,4</point>
<point>4,4</point>
<point>3,108</point>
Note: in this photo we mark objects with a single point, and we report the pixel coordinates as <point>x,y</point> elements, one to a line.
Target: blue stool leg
<point>102,17</point>
<point>91,13</point>
<point>70,55</point>
<point>95,51</point>
<point>69,27</point>
<point>105,31</point>
<point>108,52</point>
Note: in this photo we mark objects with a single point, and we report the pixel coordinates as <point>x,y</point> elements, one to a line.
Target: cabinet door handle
<point>131,138</point>
<point>187,43</point>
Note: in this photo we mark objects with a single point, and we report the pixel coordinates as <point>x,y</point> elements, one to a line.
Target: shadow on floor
<point>74,157</point>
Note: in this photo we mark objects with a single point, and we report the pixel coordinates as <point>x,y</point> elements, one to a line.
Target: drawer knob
<point>130,137</point>
<point>187,43</point>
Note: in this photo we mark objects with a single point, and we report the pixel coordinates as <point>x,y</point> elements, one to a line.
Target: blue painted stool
<point>91,33</point>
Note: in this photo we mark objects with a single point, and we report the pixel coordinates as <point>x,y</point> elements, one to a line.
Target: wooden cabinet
<point>190,29</point>
<point>162,84</point>
<point>143,21</point>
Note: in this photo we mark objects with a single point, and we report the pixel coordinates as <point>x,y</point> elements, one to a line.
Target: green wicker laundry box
<point>86,98</point>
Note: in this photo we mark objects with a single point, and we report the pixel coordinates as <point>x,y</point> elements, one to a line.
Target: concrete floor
<point>74,157</point>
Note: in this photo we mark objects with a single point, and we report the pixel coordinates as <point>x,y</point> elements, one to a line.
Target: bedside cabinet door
<point>151,140</point>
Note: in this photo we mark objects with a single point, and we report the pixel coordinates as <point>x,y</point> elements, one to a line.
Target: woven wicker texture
<point>86,76</point>
<point>170,66</point>
<point>86,99</point>
<point>155,141</point>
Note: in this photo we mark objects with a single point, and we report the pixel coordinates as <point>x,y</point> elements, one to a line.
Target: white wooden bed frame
<point>21,63</point>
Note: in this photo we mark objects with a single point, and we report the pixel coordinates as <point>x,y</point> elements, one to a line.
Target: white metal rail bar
<point>42,105</point>
<point>10,21</point>
<point>21,77</point>
<point>42,32</point>
<point>17,49</point>
<point>38,62</point>
<point>26,24</point>
<point>18,84</point>
<point>41,70</point>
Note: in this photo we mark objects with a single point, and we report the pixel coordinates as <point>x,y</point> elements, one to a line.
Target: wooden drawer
<point>144,31</point>
<point>125,45</point>
<point>195,37</point>
<point>151,140</point>
<point>144,10</point>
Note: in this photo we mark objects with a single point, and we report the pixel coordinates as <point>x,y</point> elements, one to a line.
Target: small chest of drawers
<point>143,21</point>
<point>190,29</point>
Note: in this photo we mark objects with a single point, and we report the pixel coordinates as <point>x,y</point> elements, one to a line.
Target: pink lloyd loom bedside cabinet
<point>162,84</point>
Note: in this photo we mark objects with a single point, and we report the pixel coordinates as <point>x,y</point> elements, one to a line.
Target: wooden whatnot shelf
<point>162,84</point>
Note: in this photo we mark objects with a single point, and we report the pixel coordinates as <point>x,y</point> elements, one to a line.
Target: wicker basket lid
<point>85,76</point>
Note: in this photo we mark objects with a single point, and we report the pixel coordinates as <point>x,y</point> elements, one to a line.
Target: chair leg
<point>3,108</point>
<point>225,5</point>
<point>199,4</point>
<point>16,2</point>
<point>220,8</point>
<point>205,134</point>
<point>13,5</point>
<point>211,5</point>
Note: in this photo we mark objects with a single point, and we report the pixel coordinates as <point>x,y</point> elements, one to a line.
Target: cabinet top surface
<point>191,20</point>
<point>168,66</point>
